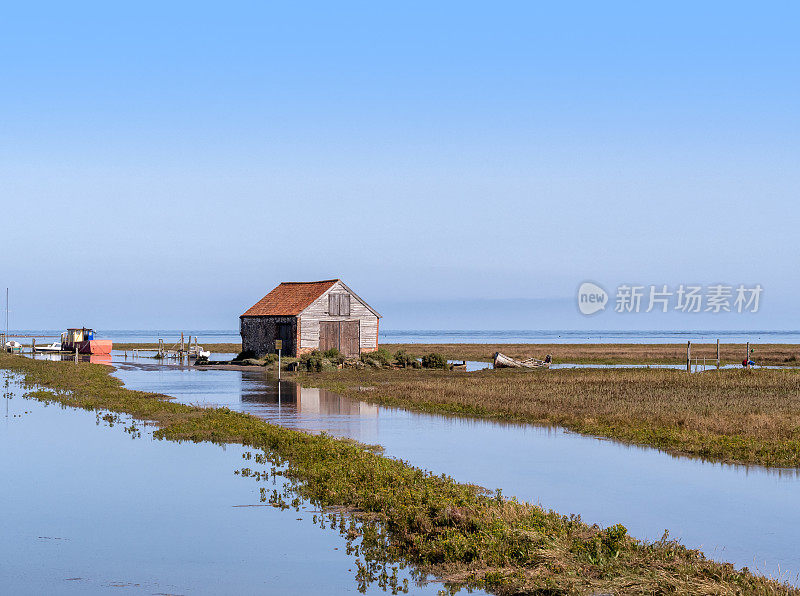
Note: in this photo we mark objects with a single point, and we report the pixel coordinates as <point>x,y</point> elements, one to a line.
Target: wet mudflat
<point>92,503</point>
<point>745,515</point>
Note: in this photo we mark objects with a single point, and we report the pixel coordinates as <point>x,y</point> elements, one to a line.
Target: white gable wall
<point>318,311</point>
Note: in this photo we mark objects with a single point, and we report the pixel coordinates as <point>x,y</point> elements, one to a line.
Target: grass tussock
<point>766,354</point>
<point>456,531</point>
<point>748,417</point>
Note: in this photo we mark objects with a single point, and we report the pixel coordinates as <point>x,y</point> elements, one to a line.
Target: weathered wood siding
<point>319,311</point>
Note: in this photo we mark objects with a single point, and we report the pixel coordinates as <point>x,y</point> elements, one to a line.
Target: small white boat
<point>53,347</point>
<point>196,351</point>
<point>503,361</point>
<point>13,346</point>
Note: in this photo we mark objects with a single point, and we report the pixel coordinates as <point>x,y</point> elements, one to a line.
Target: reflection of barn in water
<point>307,400</point>
<point>321,401</point>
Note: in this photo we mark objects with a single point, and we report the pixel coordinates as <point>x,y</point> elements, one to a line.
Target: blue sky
<point>166,164</point>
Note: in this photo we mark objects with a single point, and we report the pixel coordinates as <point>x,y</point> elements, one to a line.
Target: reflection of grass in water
<point>750,417</point>
<point>364,535</point>
<point>8,395</point>
<point>455,531</point>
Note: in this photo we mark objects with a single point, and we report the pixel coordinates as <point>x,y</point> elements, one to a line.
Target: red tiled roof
<point>289,298</point>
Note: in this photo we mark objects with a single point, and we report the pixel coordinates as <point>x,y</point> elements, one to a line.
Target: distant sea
<point>463,336</point>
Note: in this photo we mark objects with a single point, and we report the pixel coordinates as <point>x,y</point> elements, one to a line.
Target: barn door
<point>343,335</point>
<point>328,335</point>
<point>350,338</point>
<point>283,332</point>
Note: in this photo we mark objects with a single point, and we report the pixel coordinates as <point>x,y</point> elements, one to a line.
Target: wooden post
<point>688,356</point>
<point>717,354</point>
<point>33,345</point>
<point>747,358</point>
<point>278,346</point>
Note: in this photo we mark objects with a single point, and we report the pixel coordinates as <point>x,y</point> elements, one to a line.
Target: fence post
<point>688,356</point>
<point>717,354</point>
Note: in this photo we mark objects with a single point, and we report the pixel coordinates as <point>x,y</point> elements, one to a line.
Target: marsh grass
<point>768,354</point>
<point>456,531</point>
<point>740,416</point>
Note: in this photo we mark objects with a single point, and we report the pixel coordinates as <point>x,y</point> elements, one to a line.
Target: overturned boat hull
<point>503,361</point>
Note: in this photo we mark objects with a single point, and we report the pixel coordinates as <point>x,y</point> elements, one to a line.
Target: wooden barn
<point>308,316</point>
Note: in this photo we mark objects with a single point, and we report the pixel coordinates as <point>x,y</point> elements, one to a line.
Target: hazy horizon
<point>166,165</point>
<point>484,315</point>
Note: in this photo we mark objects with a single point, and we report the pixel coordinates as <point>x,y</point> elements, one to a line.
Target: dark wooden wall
<point>259,335</point>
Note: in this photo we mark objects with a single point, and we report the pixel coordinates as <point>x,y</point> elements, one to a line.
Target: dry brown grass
<point>772,354</point>
<point>217,348</point>
<point>750,417</point>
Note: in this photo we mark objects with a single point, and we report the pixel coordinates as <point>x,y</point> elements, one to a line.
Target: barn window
<point>339,305</point>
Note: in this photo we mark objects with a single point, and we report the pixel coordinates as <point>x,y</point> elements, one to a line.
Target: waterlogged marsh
<point>91,503</point>
<point>734,513</point>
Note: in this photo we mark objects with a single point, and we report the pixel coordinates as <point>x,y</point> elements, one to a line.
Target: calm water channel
<point>745,515</point>
<point>88,509</point>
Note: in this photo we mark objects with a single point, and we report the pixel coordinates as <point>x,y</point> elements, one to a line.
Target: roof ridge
<point>320,281</point>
